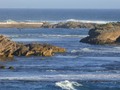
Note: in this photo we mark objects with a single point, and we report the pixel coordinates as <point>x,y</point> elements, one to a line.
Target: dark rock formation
<point>104,34</point>
<point>11,68</point>
<point>2,67</point>
<point>10,49</point>
<point>74,25</point>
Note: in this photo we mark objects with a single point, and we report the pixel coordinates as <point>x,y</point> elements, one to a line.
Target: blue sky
<point>86,4</point>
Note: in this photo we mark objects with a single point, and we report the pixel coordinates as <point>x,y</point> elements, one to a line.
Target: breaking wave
<point>68,85</point>
<point>88,76</point>
<point>89,21</point>
<point>83,50</point>
<point>57,21</point>
<point>46,35</point>
<point>100,50</point>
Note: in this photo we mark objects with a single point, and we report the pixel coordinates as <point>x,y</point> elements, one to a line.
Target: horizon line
<point>69,8</point>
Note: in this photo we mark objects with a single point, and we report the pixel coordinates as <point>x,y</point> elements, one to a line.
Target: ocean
<point>82,67</point>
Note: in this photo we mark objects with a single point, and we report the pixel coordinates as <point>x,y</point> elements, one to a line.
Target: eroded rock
<point>104,34</point>
<point>10,49</point>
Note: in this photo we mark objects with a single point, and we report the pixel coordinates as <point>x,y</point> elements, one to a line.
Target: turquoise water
<point>82,67</point>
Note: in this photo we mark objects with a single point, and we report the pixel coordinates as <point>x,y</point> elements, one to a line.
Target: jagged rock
<point>47,25</point>
<point>7,46</point>
<point>22,50</point>
<point>47,52</point>
<point>104,34</point>
<point>30,53</point>
<point>9,49</point>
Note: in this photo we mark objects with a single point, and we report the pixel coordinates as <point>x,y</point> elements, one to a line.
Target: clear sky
<point>82,4</point>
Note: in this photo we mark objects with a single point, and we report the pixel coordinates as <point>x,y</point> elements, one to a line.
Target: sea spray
<point>83,50</point>
<point>68,85</point>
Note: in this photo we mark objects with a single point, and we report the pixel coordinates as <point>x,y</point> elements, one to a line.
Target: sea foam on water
<point>68,85</point>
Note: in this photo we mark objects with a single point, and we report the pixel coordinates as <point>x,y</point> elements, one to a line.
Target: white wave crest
<point>118,48</point>
<point>32,77</point>
<point>82,50</point>
<point>45,35</point>
<point>87,50</point>
<point>67,85</point>
<point>89,21</point>
<point>68,20</point>
<point>51,70</point>
<point>80,36</point>
<point>97,50</point>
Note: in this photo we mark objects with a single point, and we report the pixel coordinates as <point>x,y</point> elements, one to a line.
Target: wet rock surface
<point>104,34</point>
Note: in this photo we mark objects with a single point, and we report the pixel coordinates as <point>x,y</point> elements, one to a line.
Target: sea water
<point>82,67</point>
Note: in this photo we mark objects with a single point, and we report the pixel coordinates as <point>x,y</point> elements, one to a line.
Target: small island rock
<point>104,34</point>
<point>10,48</point>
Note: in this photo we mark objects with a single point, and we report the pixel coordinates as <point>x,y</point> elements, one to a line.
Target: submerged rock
<point>9,49</point>
<point>104,34</point>
<point>11,68</point>
<point>2,67</point>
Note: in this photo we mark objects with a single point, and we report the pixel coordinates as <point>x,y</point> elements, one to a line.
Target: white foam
<point>89,21</point>
<point>46,35</point>
<point>67,85</point>
<point>43,37</point>
<point>117,48</point>
<point>98,50</point>
<point>78,20</point>
<point>51,70</point>
<point>80,36</point>
<point>87,76</point>
<point>27,39</point>
<point>68,20</point>
<point>82,50</point>
<point>82,21</point>
<point>87,50</point>
<point>104,58</point>
<point>59,56</point>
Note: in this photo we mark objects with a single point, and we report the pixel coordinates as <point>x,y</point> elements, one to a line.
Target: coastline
<point>68,24</point>
<point>20,24</point>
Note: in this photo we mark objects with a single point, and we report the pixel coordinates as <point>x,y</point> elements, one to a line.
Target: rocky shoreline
<point>9,49</point>
<point>104,34</point>
<point>69,24</point>
<point>99,34</point>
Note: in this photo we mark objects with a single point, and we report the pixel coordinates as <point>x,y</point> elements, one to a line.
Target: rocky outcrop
<point>4,67</point>
<point>104,34</point>
<point>69,24</point>
<point>10,49</point>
